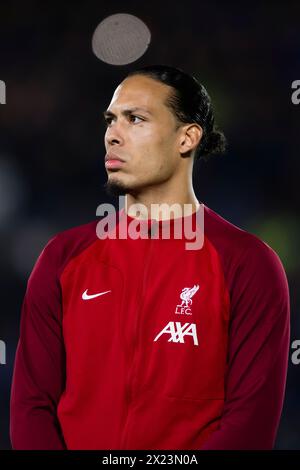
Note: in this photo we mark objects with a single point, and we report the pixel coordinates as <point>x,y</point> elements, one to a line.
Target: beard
<point>115,188</point>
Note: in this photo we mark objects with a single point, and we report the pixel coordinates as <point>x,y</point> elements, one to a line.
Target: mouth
<point>113,161</point>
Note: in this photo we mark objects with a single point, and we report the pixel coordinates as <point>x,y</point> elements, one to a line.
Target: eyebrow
<point>126,112</point>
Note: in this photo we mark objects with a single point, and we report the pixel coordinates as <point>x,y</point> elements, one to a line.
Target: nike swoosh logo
<point>86,296</point>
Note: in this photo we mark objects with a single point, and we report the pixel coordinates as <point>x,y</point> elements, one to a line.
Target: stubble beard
<point>115,188</point>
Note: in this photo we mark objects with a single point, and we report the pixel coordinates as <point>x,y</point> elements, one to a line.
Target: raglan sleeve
<point>257,361</point>
<point>39,367</point>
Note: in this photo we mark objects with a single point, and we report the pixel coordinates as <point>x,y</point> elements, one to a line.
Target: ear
<point>190,137</point>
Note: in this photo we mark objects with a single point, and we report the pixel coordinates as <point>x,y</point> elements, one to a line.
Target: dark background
<point>51,134</point>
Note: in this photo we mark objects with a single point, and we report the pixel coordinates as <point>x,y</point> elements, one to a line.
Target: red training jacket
<point>142,344</point>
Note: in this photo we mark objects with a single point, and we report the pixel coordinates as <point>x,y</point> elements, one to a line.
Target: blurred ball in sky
<point>120,39</point>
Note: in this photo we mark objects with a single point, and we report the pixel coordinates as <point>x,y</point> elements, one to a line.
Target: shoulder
<point>64,245</point>
<point>244,256</point>
<point>75,236</point>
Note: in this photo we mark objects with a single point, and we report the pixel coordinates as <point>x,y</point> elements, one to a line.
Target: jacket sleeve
<point>258,352</point>
<point>39,369</point>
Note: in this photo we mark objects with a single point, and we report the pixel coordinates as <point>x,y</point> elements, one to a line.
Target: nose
<point>113,135</point>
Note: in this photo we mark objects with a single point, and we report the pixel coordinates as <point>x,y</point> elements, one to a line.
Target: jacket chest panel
<point>160,313</point>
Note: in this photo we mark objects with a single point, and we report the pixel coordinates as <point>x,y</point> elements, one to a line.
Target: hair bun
<point>212,143</point>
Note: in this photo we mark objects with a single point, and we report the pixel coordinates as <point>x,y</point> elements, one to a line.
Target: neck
<point>162,202</point>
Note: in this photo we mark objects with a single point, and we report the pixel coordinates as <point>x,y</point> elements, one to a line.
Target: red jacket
<point>142,344</point>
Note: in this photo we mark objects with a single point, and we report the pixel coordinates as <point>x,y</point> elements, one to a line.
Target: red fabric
<point>89,374</point>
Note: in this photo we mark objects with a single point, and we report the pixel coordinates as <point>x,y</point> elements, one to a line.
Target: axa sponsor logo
<point>177,332</point>
<point>186,300</point>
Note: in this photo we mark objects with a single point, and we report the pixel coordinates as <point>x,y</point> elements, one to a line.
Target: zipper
<point>129,384</point>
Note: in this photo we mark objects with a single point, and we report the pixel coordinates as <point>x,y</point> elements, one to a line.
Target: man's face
<point>146,139</point>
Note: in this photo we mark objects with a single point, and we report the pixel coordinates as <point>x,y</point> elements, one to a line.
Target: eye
<point>107,120</point>
<point>132,116</point>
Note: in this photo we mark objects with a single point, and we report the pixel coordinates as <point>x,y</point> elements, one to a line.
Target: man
<point>139,342</point>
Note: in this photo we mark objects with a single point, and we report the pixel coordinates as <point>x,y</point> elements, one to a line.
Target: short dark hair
<point>190,103</point>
